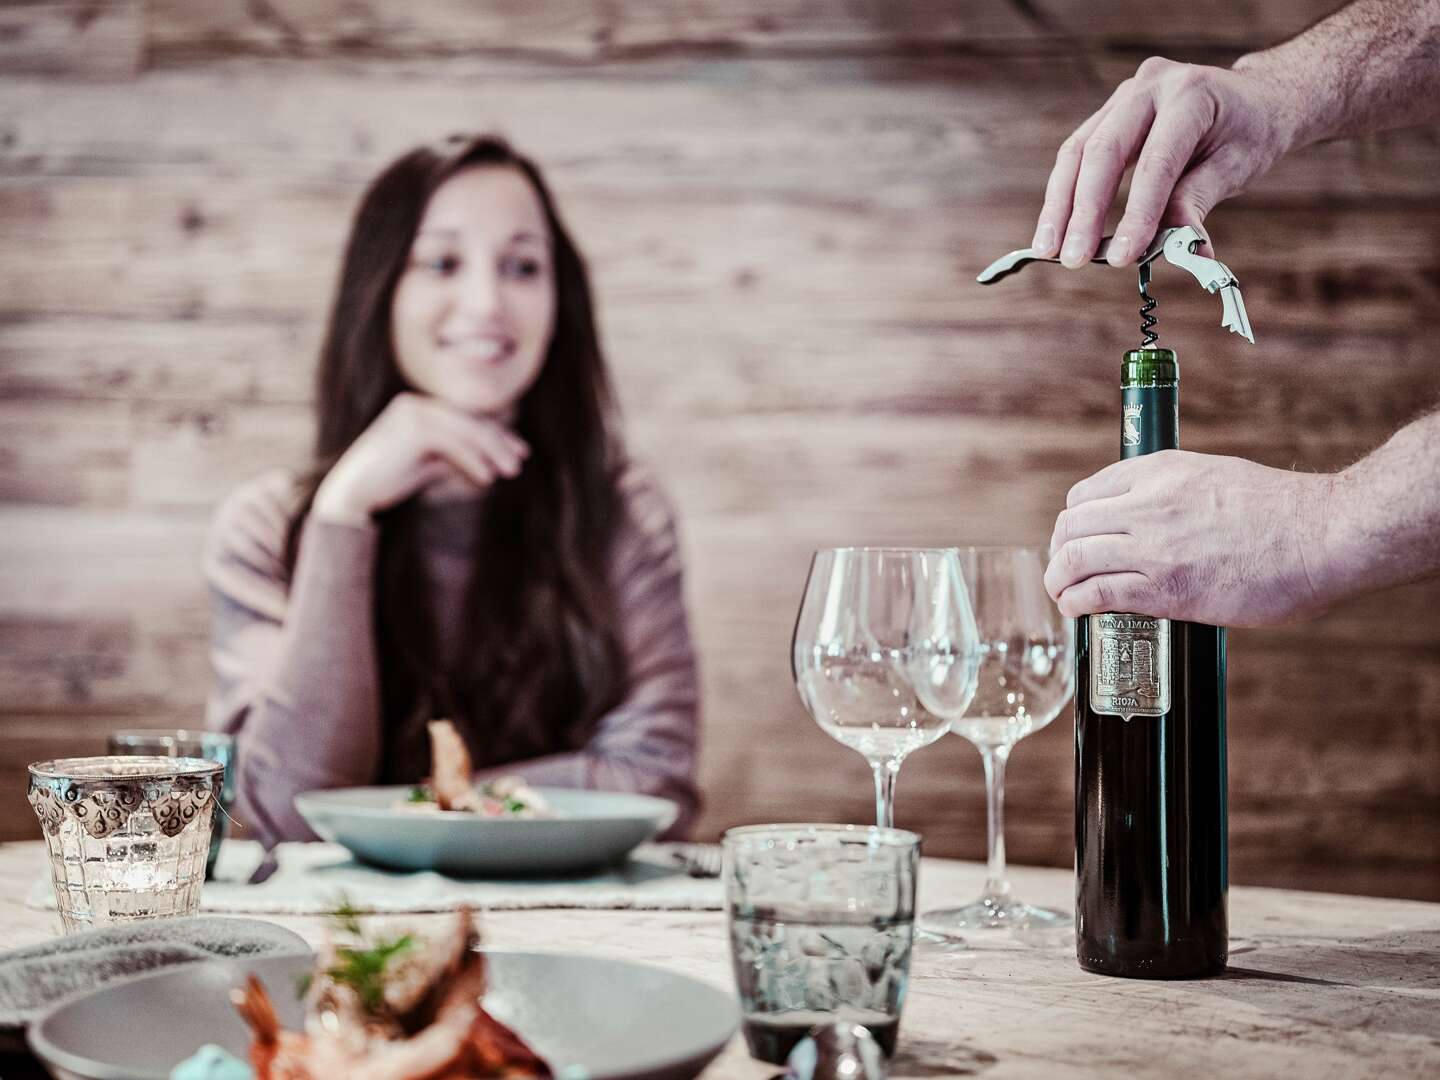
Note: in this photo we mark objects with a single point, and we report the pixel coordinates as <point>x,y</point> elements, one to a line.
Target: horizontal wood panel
<point>130,247</point>
<point>601,31</point>
<point>901,133</point>
<point>72,38</point>
<point>134,360</point>
<point>1053,367</point>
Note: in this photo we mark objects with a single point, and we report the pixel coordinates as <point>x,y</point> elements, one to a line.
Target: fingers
<point>1107,154</point>
<point>1086,557</point>
<point>1060,188</point>
<point>481,449</point>
<point>1114,479</point>
<point>1095,517</point>
<point>1167,152</point>
<point>1127,591</point>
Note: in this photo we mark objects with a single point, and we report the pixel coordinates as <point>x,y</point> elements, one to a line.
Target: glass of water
<point>127,836</point>
<point>172,742</point>
<point>821,927</point>
<point>885,651</point>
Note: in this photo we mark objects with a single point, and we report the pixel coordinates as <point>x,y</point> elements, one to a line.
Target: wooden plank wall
<point>784,203</point>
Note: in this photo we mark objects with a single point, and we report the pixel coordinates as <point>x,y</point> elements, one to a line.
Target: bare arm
<point>1372,66</point>
<point>1198,135</point>
<point>1225,541</point>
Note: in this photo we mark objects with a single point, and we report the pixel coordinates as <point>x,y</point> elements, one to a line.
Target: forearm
<point>1381,519</point>
<point>1371,66</point>
<point>309,716</point>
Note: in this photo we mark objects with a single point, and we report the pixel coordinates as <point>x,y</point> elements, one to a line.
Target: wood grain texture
<point>591,32</point>
<point>783,206</point>
<point>76,39</point>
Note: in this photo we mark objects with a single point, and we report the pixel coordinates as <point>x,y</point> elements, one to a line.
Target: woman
<point>471,542</point>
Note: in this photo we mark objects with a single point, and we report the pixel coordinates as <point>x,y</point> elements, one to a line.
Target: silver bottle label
<point>1129,665</point>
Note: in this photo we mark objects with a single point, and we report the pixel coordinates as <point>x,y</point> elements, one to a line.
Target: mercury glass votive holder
<point>179,742</point>
<point>127,836</point>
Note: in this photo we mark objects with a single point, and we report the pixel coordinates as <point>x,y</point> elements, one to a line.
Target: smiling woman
<point>471,541</point>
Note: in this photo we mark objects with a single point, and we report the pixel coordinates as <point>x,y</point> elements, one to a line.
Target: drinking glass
<point>821,924</point>
<point>171,742</point>
<point>127,836</point>
<point>1027,674</point>
<point>885,650</point>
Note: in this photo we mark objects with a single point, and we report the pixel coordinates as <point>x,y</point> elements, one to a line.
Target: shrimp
<point>435,1001</point>
<point>452,775</point>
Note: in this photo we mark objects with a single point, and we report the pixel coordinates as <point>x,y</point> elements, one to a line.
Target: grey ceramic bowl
<point>597,827</point>
<point>609,1018</point>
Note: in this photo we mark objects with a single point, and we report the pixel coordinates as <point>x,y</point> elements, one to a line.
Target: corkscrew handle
<point>1006,265</point>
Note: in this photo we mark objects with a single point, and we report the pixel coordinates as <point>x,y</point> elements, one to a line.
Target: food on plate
<point>389,1008</point>
<point>452,785</point>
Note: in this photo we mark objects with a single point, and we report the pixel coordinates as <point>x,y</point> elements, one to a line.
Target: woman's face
<point>474,310</point>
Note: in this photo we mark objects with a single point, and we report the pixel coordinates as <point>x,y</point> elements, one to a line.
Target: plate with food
<point>505,827</point>
<point>394,1006</point>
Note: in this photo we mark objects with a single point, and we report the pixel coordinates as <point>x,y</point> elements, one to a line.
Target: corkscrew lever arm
<point>1215,276</point>
<point>1006,265</point>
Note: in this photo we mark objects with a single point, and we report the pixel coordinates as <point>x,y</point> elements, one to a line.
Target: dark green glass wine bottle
<point>1150,784</point>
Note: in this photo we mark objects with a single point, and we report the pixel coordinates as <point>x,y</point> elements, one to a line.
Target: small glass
<point>821,927</point>
<point>127,836</point>
<point>171,742</point>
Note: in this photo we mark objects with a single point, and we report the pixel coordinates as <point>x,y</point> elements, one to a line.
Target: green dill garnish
<point>363,969</point>
<point>513,805</point>
<point>421,794</point>
<point>360,966</point>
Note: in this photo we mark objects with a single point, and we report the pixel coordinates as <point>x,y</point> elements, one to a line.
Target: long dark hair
<point>539,637</point>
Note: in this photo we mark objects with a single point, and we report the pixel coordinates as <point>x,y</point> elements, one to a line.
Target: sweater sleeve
<point>295,671</point>
<point>647,744</point>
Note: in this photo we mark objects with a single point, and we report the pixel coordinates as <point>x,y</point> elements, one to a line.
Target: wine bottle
<point>1150,828</point>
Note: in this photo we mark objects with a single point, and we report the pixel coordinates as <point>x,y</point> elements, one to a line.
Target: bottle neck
<point>1150,402</point>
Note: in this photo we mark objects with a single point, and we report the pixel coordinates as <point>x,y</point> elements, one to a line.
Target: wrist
<point>1298,111</point>
<point>336,504</point>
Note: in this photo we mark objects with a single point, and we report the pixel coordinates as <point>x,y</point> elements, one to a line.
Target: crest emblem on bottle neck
<point>1130,426</point>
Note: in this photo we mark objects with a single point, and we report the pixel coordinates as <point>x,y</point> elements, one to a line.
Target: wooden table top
<point>1319,985</point>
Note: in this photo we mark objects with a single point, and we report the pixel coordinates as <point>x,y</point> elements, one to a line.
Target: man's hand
<point>1196,135</point>
<point>1188,536</point>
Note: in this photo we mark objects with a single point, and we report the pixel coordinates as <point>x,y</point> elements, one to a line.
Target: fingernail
<point>1119,250</point>
<point>1044,241</point>
<point>1074,253</point>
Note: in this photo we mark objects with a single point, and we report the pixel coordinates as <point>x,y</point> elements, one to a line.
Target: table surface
<point>1319,985</point>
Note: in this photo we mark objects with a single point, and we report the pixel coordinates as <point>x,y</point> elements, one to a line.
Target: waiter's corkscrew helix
<point>1178,246</point>
<point>1149,336</point>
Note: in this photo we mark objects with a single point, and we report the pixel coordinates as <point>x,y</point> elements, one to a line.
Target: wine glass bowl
<point>884,638</point>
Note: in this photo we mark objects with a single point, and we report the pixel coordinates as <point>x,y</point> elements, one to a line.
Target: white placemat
<point>315,878</point>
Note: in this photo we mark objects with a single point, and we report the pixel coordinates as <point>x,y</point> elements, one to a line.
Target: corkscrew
<point>1178,246</point>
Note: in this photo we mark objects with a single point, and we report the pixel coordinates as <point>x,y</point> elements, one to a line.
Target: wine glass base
<point>992,918</point>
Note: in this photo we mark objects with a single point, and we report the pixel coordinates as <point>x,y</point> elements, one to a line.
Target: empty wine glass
<point>885,649</point>
<point>1026,677</point>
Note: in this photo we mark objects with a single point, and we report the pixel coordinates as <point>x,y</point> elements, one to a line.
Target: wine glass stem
<point>885,774</point>
<point>996,887</point>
